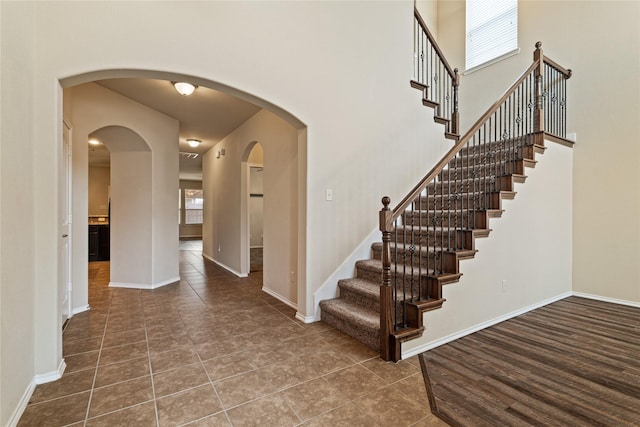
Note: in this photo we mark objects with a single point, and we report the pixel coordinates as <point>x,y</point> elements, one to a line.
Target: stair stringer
<point>530,247</point>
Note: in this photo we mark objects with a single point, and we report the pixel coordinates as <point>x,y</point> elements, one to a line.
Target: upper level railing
<point>431,69</point>
<point>423,235</point>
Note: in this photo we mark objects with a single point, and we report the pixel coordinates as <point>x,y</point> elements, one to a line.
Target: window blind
<point>492,30</point>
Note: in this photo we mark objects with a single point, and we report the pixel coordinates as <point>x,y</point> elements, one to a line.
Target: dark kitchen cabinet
<point>99,242</point>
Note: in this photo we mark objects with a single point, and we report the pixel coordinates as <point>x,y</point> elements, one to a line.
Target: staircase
<point>357,311</point>
<point>434,227</point>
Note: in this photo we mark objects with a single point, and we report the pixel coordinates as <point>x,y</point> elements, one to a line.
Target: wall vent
<point>188,155</point>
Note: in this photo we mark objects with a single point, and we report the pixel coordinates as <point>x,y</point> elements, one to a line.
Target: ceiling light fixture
<point>94,141</point>
<point>193,142</point>
<point>184,88</point>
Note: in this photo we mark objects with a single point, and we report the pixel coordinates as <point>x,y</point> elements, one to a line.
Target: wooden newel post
<point>538,118</point>
<point>455,118</point>
<point>386,291</point>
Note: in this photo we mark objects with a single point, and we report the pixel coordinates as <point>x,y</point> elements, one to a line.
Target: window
<point>193,201</point>
<point>492,31</point>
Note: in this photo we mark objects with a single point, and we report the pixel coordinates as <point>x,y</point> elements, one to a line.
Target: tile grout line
<point>153,386</point>
<point>95,375</point>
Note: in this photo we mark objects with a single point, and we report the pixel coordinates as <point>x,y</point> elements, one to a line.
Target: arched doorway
<point>297,267</point>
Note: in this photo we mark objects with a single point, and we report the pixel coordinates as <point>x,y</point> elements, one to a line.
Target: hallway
<point>215,350</point>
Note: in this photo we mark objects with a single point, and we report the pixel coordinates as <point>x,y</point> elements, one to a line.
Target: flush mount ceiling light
<point>193,142</point>
<point>184,88</point>
<point>94,141</point>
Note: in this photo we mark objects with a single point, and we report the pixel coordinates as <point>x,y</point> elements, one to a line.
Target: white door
<point>64,247</point>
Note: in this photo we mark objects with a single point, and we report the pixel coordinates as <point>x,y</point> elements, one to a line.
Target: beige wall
<point>144,173</point>
<point>600,41</point>
<point>99,181</point>
<point>18,282</point>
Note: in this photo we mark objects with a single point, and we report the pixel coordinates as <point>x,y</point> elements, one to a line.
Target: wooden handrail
<point>407,200</point>
<point>567,72</point>
<point>433,43</point>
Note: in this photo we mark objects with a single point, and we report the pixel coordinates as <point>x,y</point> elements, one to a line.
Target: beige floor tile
<point>388,407</point>
<point>143,415</point>
<point>186,406</point>
<point>82,361</point>
<point>243,388</point>
<point>182,378</point>
<point>66,410</point>
<point>122,338</point>
<point>323,362</point>
<point>173,359</point>
<point>390,371</point>
<point>123,353</point>
<point>349,415</point>
<point>71,383</point>
<point>123,371</point>
<point>288,373</point>
<point>430,421</point>
<point>81,346</point>
<point>355,381</point>
<point>314,398</point>
<point>218,420</point>
<point>121,395</point>
<point>223,367</point>
<point>272,410</point>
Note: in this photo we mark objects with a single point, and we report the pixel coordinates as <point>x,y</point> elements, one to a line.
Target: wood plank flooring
<point>575,362</point>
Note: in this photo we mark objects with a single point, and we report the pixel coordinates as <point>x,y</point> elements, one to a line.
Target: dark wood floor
<point>575,362</point>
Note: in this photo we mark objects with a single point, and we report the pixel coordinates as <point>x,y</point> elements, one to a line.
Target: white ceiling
<point>207,115</point>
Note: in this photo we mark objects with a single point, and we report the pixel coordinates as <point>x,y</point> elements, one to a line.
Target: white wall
<point>144,241</point>
<point>530,247</point>
<point>603,105</point>
<point>99,181</point>
<point>226,192</point>
<point>18,281</point>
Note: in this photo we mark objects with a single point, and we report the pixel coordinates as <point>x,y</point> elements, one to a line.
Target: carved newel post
<point>538,114</point>
<point>455,118</point>
<point>386,291</point>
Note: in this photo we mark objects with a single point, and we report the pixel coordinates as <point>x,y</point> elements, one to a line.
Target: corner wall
<point>530,248</point>
<point>603,106</point>
<point>151,259</point>
<point>18,283</point>
<point>225,184</point>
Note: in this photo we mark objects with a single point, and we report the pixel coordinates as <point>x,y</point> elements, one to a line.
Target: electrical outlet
<point>219,248</point>
<point>504,286</point>
<point>328,193</point>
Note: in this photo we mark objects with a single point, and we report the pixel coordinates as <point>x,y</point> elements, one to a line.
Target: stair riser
<point>366,336</point>
<point>465,170</point>
<point>521,149</point>
<point>428,239</point>
<point>490,201</point>
<point>421,260</point>
<point>464,219</point>
<point>488,184</point>
<point>360,300</point>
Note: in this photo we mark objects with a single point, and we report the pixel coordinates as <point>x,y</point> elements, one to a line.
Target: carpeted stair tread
<point>360,323</point>
<point>361,286</point>
<point>363,317</point>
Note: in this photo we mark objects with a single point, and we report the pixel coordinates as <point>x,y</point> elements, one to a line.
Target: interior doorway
<point>256,218</point>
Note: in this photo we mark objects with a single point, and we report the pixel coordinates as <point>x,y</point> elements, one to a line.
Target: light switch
<point>328,194</point>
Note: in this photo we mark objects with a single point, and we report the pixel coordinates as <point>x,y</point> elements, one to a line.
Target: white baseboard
<point>305,319</point>
<point>229,269</point>
<point>24,401</point>
<point>607,299</point>
<point>51,376</point>
<point>26,396</point>
<point>80,309</point>
<point>144,285</point>
<point>483,325</point>
<point>279,297</point>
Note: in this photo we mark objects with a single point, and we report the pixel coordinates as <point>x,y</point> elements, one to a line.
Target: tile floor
<point>214,350</point>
